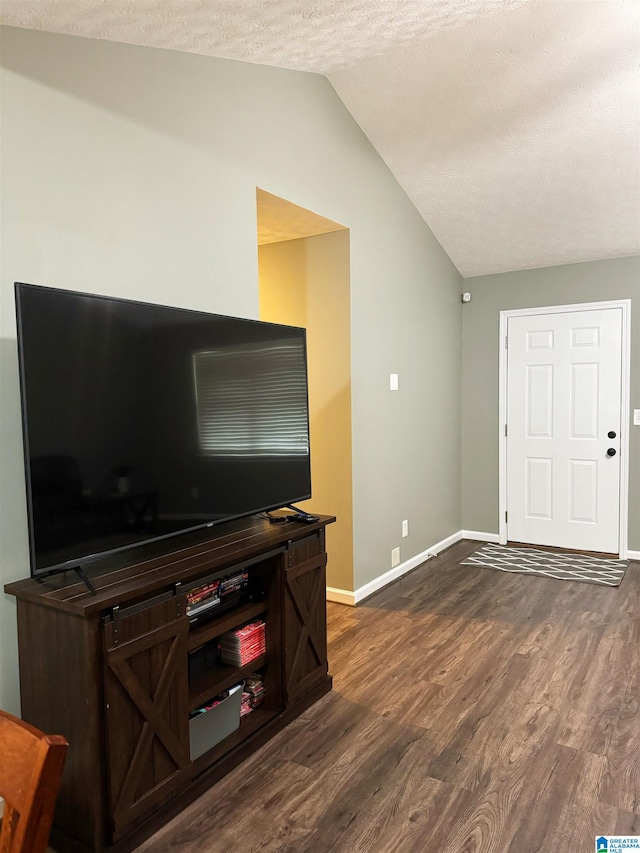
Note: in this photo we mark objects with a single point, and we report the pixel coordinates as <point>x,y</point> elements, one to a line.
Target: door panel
<point>584,396</point>
<point>146,715</point>
<point>539,487</point>
<point>584,490</point>
<point>305,617</point>
<point>540,401</point>
<point>563,397</point>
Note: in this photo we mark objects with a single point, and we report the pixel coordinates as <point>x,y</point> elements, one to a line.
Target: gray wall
<point>133,171</point>
<point>565,285</point>
<point>406,443</point>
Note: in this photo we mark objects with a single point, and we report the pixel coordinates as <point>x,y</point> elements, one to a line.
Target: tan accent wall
<point>306,283</point>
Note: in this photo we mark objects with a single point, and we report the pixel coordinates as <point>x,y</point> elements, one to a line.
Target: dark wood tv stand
<point>110,671</point>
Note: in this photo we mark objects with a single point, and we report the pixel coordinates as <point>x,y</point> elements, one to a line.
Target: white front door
<point>564,380</point>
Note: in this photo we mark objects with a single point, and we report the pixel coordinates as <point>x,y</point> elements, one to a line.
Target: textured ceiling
<point>513,125</point>
<point>280,220</point>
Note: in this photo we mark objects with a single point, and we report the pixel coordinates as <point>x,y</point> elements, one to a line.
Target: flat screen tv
<point>144,421</point>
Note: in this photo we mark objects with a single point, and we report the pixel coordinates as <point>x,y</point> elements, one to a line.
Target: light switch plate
<point>393,381</point>
<point>636,417</point>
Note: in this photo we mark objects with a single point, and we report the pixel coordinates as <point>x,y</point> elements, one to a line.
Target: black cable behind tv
<point>301,515</point>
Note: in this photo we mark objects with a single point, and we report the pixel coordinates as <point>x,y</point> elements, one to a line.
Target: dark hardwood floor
<point>473,711</point>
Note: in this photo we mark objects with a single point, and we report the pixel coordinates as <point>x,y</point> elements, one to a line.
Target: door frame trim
<point>625,401</point>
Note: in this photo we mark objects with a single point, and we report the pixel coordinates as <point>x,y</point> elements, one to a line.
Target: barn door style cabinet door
<point>125,673</point>
<point>146,713</point>
<point>305,615</point>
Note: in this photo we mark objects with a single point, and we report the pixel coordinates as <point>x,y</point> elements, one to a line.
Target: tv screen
<point>143,421</point>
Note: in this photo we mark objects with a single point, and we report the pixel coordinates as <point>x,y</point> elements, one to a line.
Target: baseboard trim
<point>402,569</point>
<point>345,596</point>
<point>341,596</point>
<point>480,536</point>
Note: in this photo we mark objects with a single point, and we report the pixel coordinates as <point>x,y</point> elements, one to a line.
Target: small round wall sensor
<point>466,297</point>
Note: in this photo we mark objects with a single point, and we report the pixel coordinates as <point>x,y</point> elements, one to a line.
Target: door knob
<point>611,451</point>
<point>611,434</point>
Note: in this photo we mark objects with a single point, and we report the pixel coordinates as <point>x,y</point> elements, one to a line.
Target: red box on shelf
<point>242,645</point>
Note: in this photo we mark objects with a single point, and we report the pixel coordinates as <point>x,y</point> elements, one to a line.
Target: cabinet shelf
<point>232,619</point>
<point>223,677</point>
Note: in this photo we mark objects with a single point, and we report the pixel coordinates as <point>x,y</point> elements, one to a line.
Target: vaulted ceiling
<point>513,125</point>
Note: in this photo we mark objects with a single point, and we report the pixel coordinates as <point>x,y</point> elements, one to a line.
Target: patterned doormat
<point>550,564</point>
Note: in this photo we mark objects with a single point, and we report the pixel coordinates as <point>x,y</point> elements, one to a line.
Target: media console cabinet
<point>110,671</point>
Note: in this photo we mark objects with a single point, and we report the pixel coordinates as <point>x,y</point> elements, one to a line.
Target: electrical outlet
<point>405,527</point>
<point>636,417</point>
<point>395,557</point>
<point>393,381</point>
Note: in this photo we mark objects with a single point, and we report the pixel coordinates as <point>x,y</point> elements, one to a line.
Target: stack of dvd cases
<point>253,693</point>
<point>242,645</point>
<point>203,597</point>
<point>233,583</point>
<point>219,594</point>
